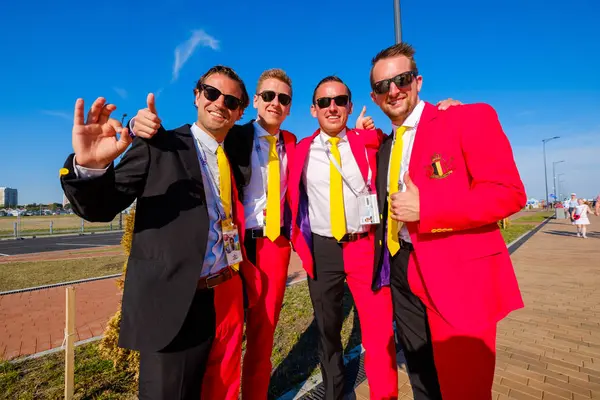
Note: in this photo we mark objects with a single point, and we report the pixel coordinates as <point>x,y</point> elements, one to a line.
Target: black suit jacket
<point>170,231</point>
<point>383,160</point>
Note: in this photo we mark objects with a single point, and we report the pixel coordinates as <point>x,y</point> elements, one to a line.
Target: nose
<point>275,100</point>
<point>394,90</point>
<point>220,102</point>
<point>332,106</point>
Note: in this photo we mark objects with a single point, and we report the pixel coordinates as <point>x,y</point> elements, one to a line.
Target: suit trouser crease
<point>272,260</point>
<point>352,261</point>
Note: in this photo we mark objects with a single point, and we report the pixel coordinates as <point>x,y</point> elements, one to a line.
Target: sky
<point>536,62</point>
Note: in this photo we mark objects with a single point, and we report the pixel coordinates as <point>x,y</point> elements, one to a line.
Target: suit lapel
<point>289,142</point>
<point>383,162</point>
<point>421,139</point>
<point>189,153</point>
<point>357,147</point>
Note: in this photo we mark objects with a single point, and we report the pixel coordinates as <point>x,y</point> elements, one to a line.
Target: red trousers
<point>222,377</point>
<point>272,259</point>
<point>464,359</point>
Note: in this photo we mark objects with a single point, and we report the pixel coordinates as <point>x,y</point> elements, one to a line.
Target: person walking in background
<point>572,202</point>
<point>580,218</point>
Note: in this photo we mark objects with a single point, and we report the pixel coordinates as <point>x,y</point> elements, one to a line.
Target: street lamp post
<point>554,175</point>
<point>559,186</point>
<point>397,21</point>
<point>545,169</point>
<point>123,118</point>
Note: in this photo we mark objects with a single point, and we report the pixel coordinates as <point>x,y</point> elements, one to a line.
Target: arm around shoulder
<point>496,190</point>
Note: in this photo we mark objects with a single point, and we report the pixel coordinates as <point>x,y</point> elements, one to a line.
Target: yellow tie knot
<point>334,141</point>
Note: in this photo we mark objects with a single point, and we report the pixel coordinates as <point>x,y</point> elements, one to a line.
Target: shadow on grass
<point>302,361</point>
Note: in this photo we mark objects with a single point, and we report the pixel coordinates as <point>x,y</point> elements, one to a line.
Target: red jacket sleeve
<point>496,190</point>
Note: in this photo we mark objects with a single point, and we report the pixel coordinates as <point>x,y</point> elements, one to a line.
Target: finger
<point>115,123</point>
<point>362,113</point>
<point>124,140</point>
<point>145,126</point>
<point>408,181</point>
<point>148,119</point>
<point>95,110</point>
<point>105,113</point>
<point>151,102</point>
<point>78,118</point>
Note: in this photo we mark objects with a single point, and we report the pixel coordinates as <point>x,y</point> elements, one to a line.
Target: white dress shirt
<point>408,139</point>
<point>255,194</point>
<point>315,177</point>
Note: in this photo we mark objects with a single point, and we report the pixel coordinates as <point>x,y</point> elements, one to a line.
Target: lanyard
<point>367,187</point>
<point>213,185</point>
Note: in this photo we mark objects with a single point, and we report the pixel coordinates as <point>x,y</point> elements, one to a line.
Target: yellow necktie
<point>336,196</point>
<point>225,187</point>
<point>393,226</point>
<point>273,227</point>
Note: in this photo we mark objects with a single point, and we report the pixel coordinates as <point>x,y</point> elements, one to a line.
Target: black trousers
<point>413,331</point>
<point>327,294</point>
<point>176,371</point>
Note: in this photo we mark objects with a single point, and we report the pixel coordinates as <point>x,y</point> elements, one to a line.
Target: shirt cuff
<point>87,173</point>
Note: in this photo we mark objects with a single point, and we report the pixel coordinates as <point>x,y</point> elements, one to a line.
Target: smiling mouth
<point>217,114</point>
<point>333,118</point>
<point>274,112</point>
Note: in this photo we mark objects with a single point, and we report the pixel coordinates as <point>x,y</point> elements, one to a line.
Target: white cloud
<point>186,49</point>
<point>59,114</point>
<point>121,92</point>
<point>581,169</point>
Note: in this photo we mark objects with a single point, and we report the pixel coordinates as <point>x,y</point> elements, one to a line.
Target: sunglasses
<point>340,101</point>
<point>402,80</point>
<point>212,94</point>
<point>269,96</point>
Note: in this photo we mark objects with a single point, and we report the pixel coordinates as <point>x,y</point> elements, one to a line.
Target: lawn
<point>514,231</point>
<point>537,217</point>
<point>294,359</point>
<point>60,224</point>
<point>24,274</point>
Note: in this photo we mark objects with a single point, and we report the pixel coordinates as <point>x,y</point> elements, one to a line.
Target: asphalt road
<point>42,244</point>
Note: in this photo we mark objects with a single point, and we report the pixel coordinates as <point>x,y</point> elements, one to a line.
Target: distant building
<point>65,200</point>
<point>9,197</point>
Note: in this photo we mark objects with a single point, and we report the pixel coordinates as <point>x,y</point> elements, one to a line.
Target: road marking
<point>82,244</point>
<point>5,255</point>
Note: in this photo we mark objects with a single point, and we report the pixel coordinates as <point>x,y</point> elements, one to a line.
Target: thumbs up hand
<point>405,205</point>
<point>146,122</point>
<point>363,122</point>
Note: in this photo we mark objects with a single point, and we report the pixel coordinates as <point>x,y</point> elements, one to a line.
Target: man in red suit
<point>444,180</point>
<point>331,179</point>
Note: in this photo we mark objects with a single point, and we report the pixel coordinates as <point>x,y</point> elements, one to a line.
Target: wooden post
<point>70,344</point>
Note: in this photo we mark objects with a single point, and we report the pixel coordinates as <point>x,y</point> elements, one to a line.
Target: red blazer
<point>463,165</point>
<point>359,140</point>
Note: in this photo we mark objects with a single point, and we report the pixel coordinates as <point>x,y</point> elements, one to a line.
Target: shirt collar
<point>341,135</point>
<point>261,132</point>
<point>205,138</point>
<point>413,118</point>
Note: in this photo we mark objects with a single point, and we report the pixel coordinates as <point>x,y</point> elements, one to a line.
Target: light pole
<point>545,169</point>
<point>123,118</point>
<point>397,21</point>
<point>554,176</point>
<point>559,184</point>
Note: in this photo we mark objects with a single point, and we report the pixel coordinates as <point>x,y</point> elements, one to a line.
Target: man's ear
<point>313,111</point>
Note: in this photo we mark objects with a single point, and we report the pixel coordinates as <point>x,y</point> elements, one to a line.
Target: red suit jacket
<point>463,166</point>
<point>359,140</point>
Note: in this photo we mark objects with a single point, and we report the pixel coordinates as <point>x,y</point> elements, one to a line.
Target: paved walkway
<point>31,322</point>
<point>550,349</point>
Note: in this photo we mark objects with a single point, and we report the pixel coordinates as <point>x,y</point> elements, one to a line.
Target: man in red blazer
<point>444,180</point>
<point>332,175</point>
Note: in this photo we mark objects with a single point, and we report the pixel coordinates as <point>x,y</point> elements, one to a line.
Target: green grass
<point>24,274</point>
<point>514,231</point>
<point>294,359</point>
<point>537,217</point>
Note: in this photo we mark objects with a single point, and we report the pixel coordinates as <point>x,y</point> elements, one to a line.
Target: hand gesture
<point>449,102</point>
<point>364,122</point>
<point>405,206</point>
<point>146,122</point>
<point>95,141</point>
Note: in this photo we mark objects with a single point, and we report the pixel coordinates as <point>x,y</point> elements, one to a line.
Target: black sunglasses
<point>324,102</point>
<point>269,96</point>
<point>212,94</point>
<point>402,80</point>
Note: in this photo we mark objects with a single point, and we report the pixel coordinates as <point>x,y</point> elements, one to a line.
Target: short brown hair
<point>230,73</point>
<point>331,78</point>
<point>274,73</point>
<point>399,49</point>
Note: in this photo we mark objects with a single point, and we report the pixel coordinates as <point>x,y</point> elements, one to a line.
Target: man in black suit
<point>181,288</point>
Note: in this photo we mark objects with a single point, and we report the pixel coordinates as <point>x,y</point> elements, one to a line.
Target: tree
<point>123,359</point>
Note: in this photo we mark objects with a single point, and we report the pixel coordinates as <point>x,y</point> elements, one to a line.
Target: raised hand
<point>405,206</point>
<point>363,122</point>
<point>146,121</point>
<point>95,141</point>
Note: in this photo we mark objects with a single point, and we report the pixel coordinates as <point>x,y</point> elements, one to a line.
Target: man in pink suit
<point>333,172</point>
<point>444,180</point>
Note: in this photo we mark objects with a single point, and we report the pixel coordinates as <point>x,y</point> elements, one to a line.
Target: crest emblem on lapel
<point>439,168</point>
